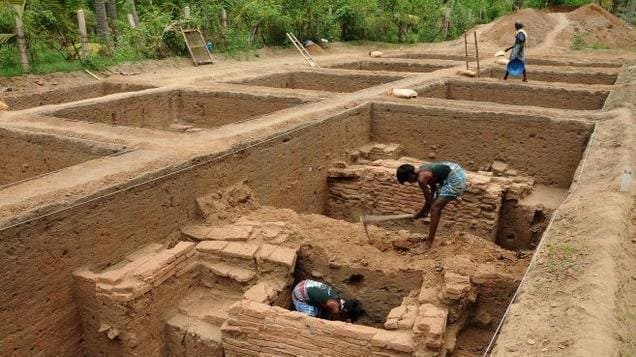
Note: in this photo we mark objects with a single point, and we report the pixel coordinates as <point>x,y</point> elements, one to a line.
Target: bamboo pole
<point>477,53</point>
<point>466,49</point>
<point>24,56</point>
<point>81,20</point>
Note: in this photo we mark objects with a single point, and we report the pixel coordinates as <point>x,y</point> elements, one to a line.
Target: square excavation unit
<point>543,74</point>
<point>179,109</point>
<point>27,155</point>
<point>18,101</point>
<point>517,94</point>
<point>320,81</point>
<point>529,61</point>
<point>395,66</point>
<point>426,56</point>
<point>253,223</point>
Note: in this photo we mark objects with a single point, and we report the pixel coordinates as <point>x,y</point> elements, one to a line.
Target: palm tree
<point>19,31</point>
<point>102,19</point>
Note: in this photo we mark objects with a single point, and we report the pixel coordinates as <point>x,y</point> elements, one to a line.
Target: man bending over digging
<point>441,183</point>
<point>317,299</point>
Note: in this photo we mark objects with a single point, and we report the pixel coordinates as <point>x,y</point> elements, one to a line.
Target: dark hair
<point>404,172</point>
<point>518,25</point>
<point>352,309</point>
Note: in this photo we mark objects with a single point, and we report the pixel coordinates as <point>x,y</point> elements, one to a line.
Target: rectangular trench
<point>395,66</point>
<point>546,75</point>
<point>286,171</point>
<point>67,94</point>
<point>517,94</point>
<point>27,155</point>
<point>178,109</point>
<point>530,61</point>
<point>320,81</point>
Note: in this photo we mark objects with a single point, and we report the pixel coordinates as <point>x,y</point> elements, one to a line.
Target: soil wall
<point>587,77</point>
<point>157,110</point>
<point>320,81</point>
<point>29,155</point>
<point>19,101</point>
<point>394,66</point>
<point>548,97</point>
<point>202,109</point>
<point>546,149</point>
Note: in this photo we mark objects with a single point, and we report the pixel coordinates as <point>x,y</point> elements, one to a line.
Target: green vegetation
<point>233,26</point>
<point>580,43</point>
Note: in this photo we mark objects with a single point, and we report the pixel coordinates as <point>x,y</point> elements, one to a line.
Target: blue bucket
<point>516,67</point>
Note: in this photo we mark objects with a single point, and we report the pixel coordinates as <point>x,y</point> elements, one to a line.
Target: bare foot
<point>422,248</point>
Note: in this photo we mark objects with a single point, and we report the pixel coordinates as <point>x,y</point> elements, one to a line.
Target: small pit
<point>28,155</point>
<point>19,101</point>
<point>320,81</point>
<point>591,76</point>
<point>179,109</point>
<point>395,66</point>
<point>517,94</point>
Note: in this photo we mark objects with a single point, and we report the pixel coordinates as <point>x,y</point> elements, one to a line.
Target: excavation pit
<point>395,66</point>
<point>599,76</point>
<point>320,81</point>
<point>28,155</point>
<point>172,304</point>
<point>529,61</point>
<point>179,110</point>
<point>18,101</point>
<point>517,94</point>
<point>428,56</point>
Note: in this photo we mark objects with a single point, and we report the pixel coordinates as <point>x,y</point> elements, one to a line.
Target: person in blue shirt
<point>519,48</point>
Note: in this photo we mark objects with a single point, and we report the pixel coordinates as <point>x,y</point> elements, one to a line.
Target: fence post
<point>81,20</point>
<point>19,32</point>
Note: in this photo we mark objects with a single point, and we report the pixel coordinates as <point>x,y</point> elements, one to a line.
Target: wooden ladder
<point>303,51</point>
<point>470,56</point>
<point>196,46</point>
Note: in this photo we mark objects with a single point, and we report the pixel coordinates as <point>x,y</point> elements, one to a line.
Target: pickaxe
<point>365,219</point>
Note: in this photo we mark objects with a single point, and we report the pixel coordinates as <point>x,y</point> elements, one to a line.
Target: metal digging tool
<point>366,219</point>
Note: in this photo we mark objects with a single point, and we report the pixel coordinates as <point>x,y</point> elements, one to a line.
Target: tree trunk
<point>112,9</point>
<point>134,12</point>
<point>24,56</point>
<point>102,20</point>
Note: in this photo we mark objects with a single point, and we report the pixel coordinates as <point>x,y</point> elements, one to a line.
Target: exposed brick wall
<point>359,189</point>
<point>255,329</point>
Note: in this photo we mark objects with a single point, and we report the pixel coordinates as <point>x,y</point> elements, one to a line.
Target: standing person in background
<point>519,49</point>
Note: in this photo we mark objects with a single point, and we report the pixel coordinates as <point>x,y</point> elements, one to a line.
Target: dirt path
<point>551,39</point>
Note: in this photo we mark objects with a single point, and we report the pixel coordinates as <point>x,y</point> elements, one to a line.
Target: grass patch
<point>579,42</point>
<point>563,259</point>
